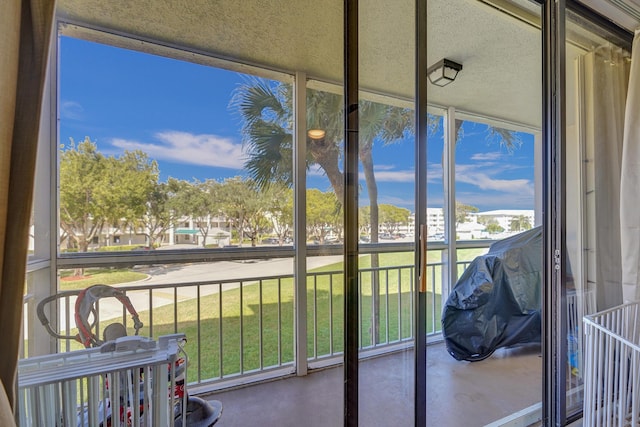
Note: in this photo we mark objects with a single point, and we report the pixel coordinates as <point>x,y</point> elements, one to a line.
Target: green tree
<point>196,200</point>
<point>258,209</point>
<point>486,219</point>
<point>364,220</point>
<point>323,210</point>
<point>493,227</point>
<point>233,195</point>
<point>280,210</point>
<point>96,191</point>
<point>159,217</point>
<point>82,213</point>
<point>520,223</point>
<point>463,211</point>
<point>247,207</point>
<point>128,184</point>
<point>392,217</point>
<point>256,221</point>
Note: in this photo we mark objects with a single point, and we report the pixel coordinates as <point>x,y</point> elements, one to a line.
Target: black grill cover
<point>496,301</point>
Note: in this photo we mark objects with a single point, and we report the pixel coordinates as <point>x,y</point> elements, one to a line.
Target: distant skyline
<point>179,114</point>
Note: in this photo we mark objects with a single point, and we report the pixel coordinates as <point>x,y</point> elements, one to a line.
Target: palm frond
<point>433,123</point>
<point>398,123</point>
<point>270,155</point>
<point>505,137</point>
<point>258,99</point>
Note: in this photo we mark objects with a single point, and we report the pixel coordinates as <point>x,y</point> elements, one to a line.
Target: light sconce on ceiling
<point>316,133</point>
<point>443,72</point>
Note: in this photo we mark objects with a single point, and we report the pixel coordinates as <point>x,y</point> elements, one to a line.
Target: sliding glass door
<point>386,212</point>
<point>484,185</point>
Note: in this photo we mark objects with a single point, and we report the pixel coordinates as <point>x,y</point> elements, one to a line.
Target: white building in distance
<point>505,217</point>
<point>474,227</point>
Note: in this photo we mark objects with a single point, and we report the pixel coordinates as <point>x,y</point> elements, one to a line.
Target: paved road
<point>224,270</point>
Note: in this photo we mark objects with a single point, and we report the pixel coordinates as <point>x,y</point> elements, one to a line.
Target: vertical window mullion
<point>300,222</point>
<point>449,171</point>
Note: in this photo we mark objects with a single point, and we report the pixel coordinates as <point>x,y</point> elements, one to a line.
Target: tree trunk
<point>83,246</point>
<point>329,160</point>
<point>241,230</point>
<point>366,158</point>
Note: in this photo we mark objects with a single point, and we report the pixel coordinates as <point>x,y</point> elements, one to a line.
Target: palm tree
<point>266,111</point>
<point>265,108</point>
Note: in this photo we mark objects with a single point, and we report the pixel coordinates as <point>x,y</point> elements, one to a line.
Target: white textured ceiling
<point>501,55</point>
<point>501,58</point>
<point>285,35</point>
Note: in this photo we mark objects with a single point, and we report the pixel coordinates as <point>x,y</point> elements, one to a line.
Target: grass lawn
<point>264,316</point>
<point>94,276</point>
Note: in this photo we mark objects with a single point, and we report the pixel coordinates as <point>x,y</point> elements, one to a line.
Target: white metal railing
<point>263,338</point>
<point>271,323</point>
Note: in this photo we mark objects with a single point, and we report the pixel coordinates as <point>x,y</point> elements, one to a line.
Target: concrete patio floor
<point>459,394</point>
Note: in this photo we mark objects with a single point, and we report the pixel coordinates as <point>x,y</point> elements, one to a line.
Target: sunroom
<point>197,158</point>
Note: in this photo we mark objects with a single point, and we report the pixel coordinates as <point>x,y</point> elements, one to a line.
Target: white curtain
<point>630,183</point>
<point>605,87</point>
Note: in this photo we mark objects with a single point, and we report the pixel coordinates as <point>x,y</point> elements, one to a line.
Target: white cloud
<point>316,170</point>
<point>71,110</point>
<point>384,175</point>
<point>486,156</point>
<point>434,173</point>
<point>496,201</point>
<point>474,175</point>
<point>482,175</point>
<point>504,185</point>
<point>188,148</point>
<point>383,167</point>
<point>408,203</point>
<point>393,176</point>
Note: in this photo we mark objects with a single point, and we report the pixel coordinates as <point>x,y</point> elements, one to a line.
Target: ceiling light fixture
<point>316,133</point>
<point>443,72</point>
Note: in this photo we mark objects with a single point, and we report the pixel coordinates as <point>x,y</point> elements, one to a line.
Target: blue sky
<point>179,114</point>
<point>488,175</point>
